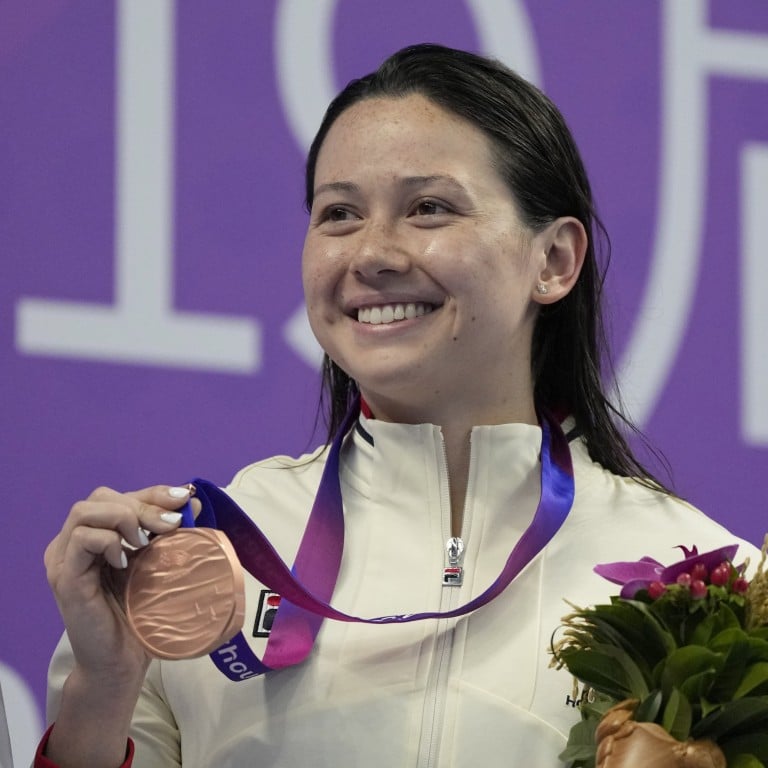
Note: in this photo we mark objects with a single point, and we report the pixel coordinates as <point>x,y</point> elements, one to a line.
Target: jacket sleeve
<point>154,733</point>
<point>41,761</point>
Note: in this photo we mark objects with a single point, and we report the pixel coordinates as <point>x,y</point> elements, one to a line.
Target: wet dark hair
<point>536,155</point>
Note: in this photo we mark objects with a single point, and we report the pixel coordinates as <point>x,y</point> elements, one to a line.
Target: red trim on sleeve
<point>41,761</point>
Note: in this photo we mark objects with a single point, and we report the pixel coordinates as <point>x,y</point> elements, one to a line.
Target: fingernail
<point>143,540</point>
<point>123,560</point>
<point>171,517</point>
<point>178,492</point>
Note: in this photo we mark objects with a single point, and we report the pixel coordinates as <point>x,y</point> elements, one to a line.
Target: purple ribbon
<point>318,559</point>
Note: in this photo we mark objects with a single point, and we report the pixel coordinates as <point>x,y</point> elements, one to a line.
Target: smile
<point>391,313</point>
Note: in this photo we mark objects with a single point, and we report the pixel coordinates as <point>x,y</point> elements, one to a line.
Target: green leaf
<point>729,637</point>
<point>755,676</point>
<point>641,630</point>
<point>610,629</point>
<point>754,744</point>
<point>744,761</point>
<point>678,614</point>
<point>648,709</point>
<point>714,623</point>
<point>607,669</point>
<point>657,631</point>
<point>757,647</point>
<point>696,689</point>
<point>596,705</point>
<point>596,670</point>
<point>676,719</point>
<point>731,673</point>
<point>707,706</point>
<point>734,718</point>
<point>626,625</point>
<point>686,662</point>
<point>581,742</point>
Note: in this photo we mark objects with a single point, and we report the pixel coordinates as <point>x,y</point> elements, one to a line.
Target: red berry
<point>699,571</point>
<point>721,575</point>
<point>684,579</point>
<point>698,589</point>
<point>656,589</point>
<point>740,586</point>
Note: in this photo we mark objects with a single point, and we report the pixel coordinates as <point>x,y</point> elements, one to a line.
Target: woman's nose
<point>380,250</point>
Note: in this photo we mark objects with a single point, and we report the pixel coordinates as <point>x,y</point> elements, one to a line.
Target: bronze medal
<point>185,593</point>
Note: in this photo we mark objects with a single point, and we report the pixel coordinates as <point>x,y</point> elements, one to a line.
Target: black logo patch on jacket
<point>266,612</point>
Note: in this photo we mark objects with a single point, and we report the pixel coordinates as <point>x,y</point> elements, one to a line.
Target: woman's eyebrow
<point>337,186</point>
<point>407,182</point>
<point>420,181</point>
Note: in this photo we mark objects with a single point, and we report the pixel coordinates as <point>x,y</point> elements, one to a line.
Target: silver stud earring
<point>541,288</point>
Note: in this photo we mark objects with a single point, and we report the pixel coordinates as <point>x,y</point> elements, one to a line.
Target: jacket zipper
<point>453,573</point>
<point>437,683</point>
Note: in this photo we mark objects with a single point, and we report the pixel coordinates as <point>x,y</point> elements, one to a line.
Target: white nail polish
<point>178,492</point>
<point>171,517</point>
<point>123,560</point>
<point>143,540</point>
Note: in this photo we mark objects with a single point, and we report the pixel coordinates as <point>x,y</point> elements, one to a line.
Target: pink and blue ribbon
<point>307,588</point>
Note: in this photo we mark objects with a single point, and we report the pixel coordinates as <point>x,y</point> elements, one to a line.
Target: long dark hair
<point>534,152</point>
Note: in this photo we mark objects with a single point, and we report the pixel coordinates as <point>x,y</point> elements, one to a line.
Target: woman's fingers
<point>99,527</point>
<point>167,497</point>
<point>153,509</point>
<point>163,501</point>
<point>88,544</point>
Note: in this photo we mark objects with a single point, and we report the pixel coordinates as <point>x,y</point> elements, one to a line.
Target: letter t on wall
<point>142,326</point>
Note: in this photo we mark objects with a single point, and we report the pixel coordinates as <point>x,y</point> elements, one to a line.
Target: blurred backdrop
<point>151,225</point>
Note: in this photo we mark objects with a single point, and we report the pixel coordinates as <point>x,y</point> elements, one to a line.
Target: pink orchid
<point>634,576</point>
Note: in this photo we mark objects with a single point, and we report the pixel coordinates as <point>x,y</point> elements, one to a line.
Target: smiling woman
<point>519,143</point>
<point>409,210</point>
<point>473,466</point>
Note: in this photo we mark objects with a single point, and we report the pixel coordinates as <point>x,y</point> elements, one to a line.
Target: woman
<point>450,276</point>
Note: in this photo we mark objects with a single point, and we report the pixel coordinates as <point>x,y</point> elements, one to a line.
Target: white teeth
<point>390,313</point>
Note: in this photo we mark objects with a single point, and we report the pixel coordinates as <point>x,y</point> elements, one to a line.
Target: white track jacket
<point>462,693</point>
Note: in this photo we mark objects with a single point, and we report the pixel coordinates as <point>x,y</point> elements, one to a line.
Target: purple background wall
<point>151,227</point>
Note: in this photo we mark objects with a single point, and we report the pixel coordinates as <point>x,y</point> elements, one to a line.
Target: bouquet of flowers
<point>675,668</point>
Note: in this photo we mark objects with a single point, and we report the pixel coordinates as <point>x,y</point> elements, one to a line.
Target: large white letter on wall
<point>754,285</point>
<point>142,326</point>
<point>693,52</point>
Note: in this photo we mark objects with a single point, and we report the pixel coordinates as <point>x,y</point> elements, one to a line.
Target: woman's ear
<point>563,244</point>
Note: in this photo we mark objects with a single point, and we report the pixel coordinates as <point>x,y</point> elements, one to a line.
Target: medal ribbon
<point>318,559</point>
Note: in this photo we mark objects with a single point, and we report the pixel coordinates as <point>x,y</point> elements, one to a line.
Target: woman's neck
<point>457,454</point>
<point>456,422</point>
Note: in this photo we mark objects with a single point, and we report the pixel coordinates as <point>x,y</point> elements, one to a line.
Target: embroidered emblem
<point>453,576</point>
<point>266,612</point>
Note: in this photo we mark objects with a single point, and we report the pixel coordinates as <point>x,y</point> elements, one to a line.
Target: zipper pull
<point>453,574</point>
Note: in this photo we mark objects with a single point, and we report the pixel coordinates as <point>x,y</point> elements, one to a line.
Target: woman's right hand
<point>87,556</point>
<point>84,562</point>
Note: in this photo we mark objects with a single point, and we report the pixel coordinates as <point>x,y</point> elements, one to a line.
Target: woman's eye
<point>337,213</point>
<point>429,208</point>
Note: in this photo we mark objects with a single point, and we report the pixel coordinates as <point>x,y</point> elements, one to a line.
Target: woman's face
<point>419,276</point>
